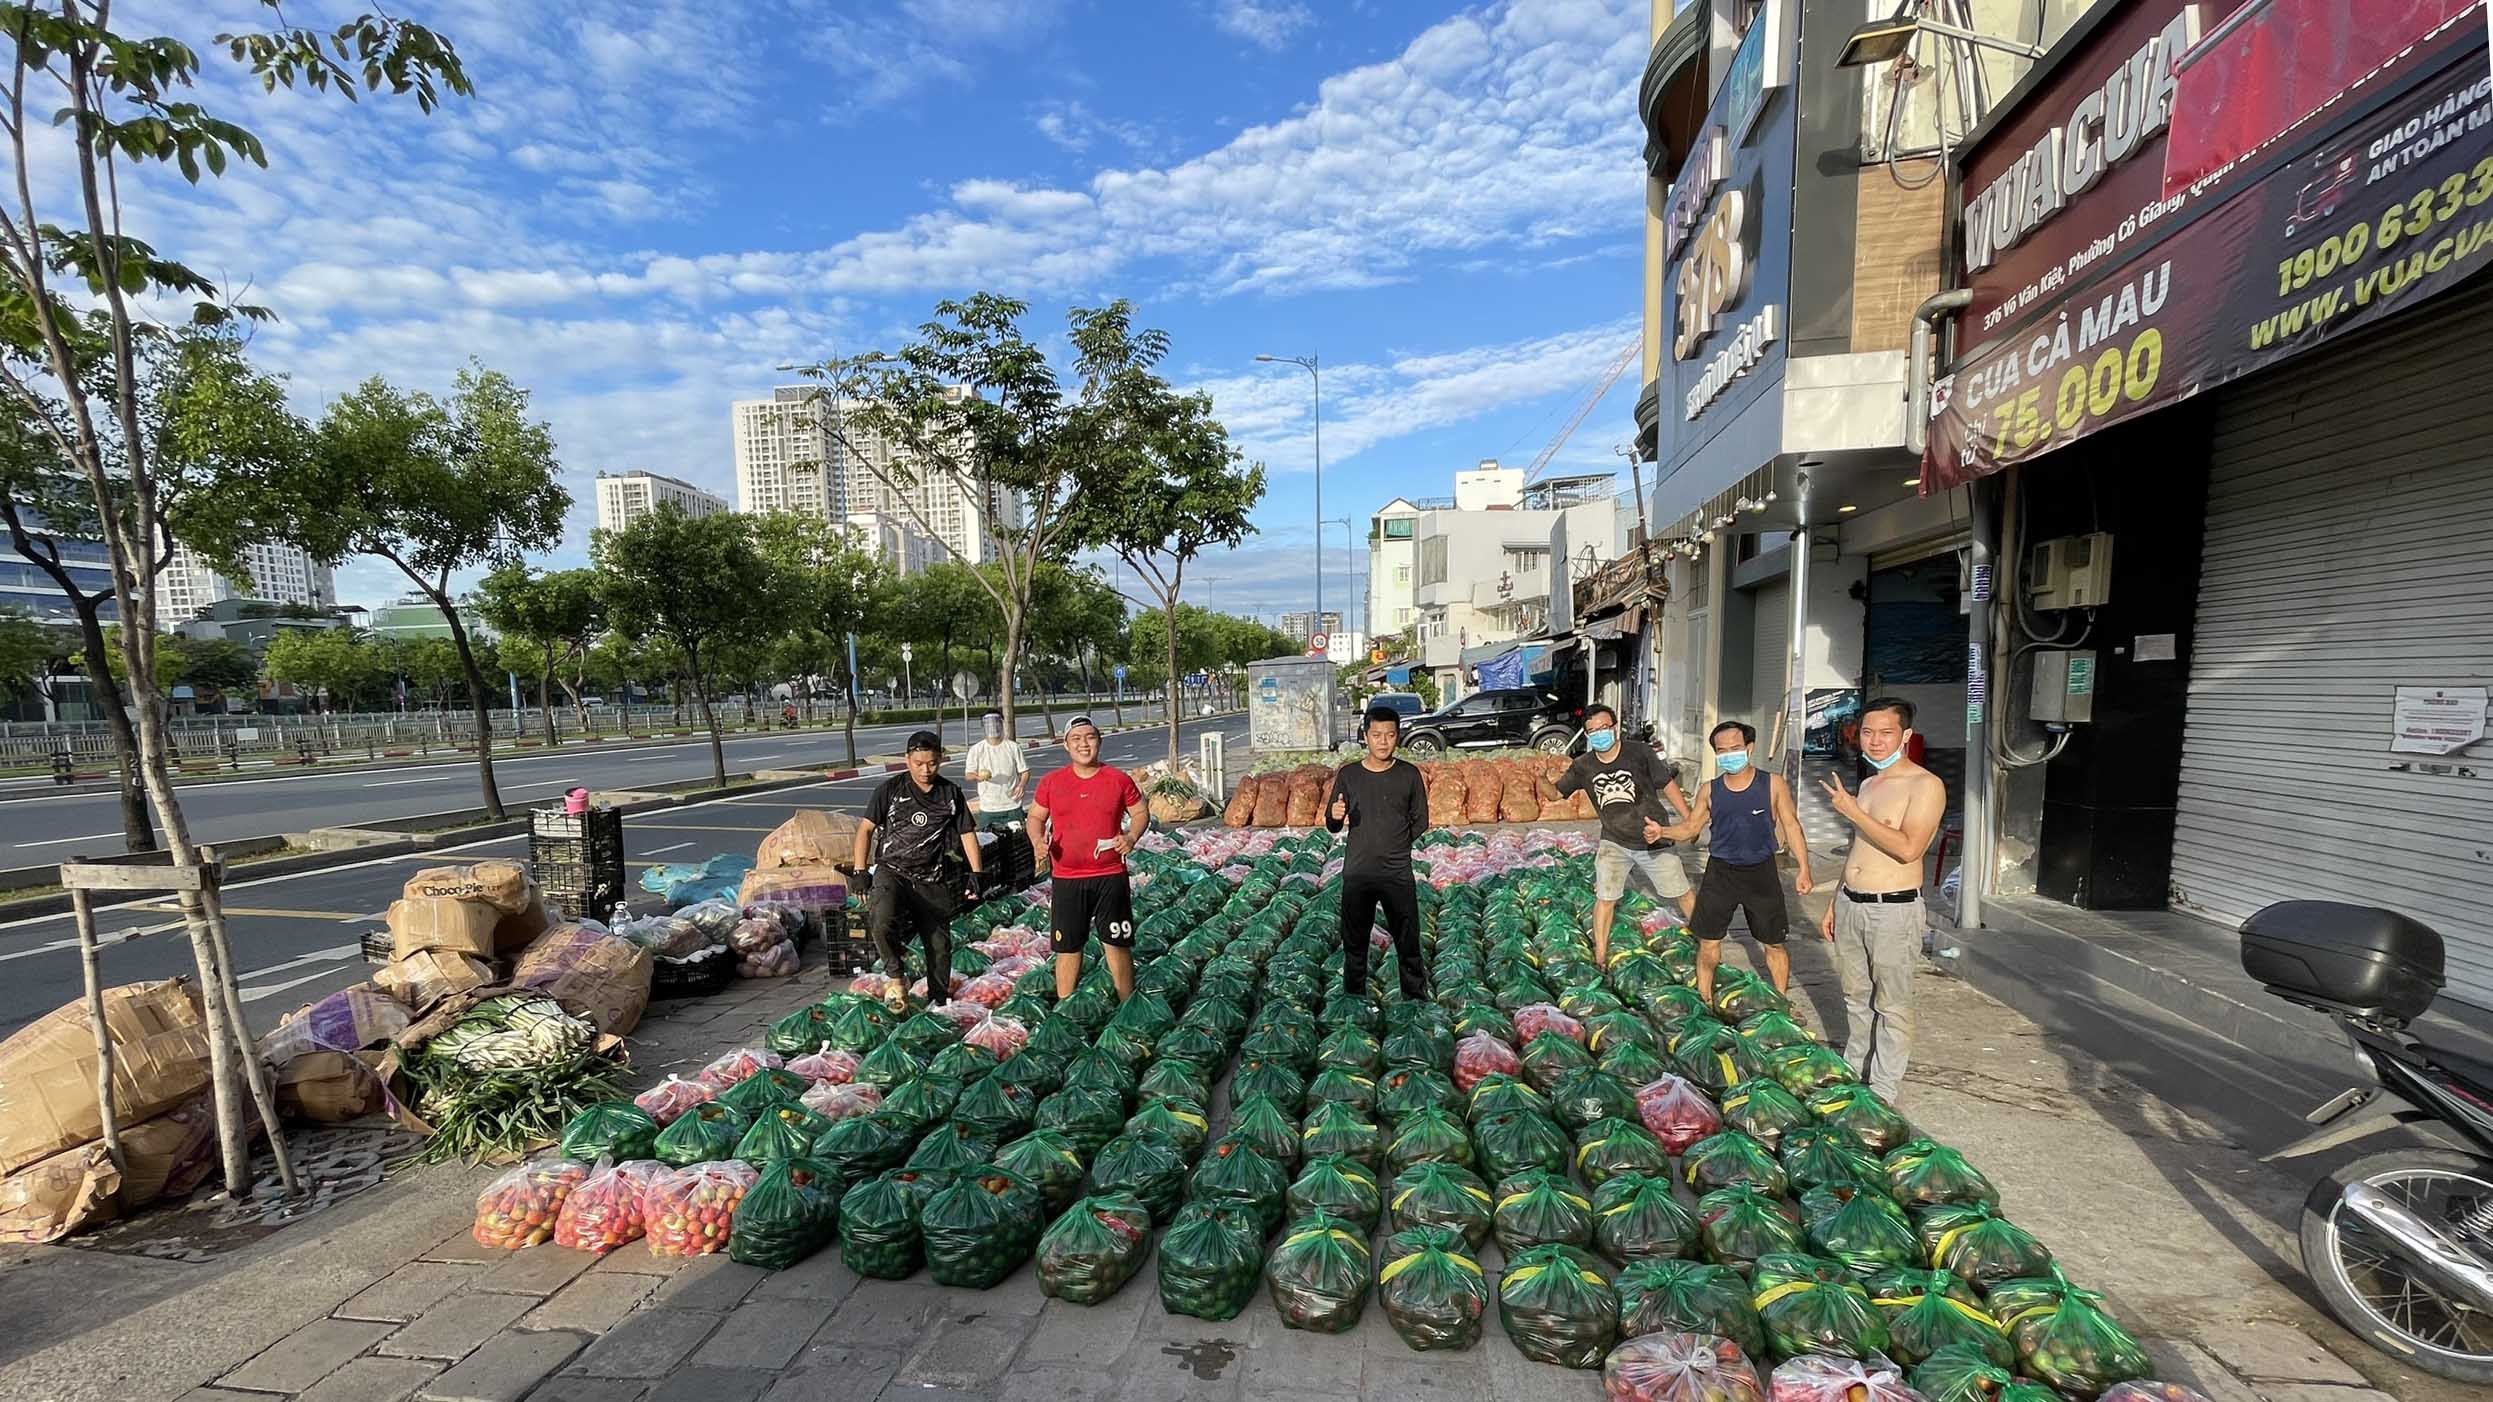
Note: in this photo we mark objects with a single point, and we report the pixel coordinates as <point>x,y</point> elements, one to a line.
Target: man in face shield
<point>1001,772</point>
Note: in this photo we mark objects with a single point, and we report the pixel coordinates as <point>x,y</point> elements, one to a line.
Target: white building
<point>625,497</point>
<point>1302,626</point>
<point>1478,568</point>
<point>896,540</point>
<point>786,461</point>
<point>1393,568</point>
<point>280,574</point>
<point>1488,487</point>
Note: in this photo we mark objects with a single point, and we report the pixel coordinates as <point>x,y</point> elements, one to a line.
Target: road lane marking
<point>427,779</point>
<point>57,841</point>
<point>253,995</point>
<point>330,955</point>
<point>662,851</point>
<point>109,938</point>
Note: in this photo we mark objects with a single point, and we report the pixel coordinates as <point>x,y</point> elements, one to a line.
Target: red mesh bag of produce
<point>1584,804</point>
<point>1306,792</point>
<point>1482,787</point>
<point>1272,801</point>
<point>690,1212</point>
<point>1516,801</point>
<point>1545,785</point>
<point>604,1212</point>
<point>1445,795</point>
<point>1481,1055</point>
<point>1558,810</point>
<point>519,1208</point>
<point>1241,809</point>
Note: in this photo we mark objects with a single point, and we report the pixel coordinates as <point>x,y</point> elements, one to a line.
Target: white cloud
<point>1264,23</point>
<point>1075,127</point>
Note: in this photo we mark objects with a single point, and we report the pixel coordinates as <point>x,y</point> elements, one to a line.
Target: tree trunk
<point>545,697</point>
<point>476,695</point>
<point>1168,688</point>
<point>137,833</point>
<point>709,718</point>
<point>578,682</point>
<point>852,716</point>
<point>1013,622</point>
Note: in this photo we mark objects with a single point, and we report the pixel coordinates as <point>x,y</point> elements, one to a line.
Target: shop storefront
<point>2227,309</point>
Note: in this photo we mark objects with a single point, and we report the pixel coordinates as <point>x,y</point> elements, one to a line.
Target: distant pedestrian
<point>1746,811</point>
<point>1636,794</point>
<point>1001,772</point>
<point>919,815</point>
<point>1084,819</point>
<point>1876,919</point>
<point>1383,804</point>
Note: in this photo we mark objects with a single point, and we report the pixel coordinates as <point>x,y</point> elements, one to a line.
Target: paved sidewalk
<point>2171,1220</point>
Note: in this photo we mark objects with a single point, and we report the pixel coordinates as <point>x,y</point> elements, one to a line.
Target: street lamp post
<point>1350,556</point>
<point>1308,364</point>
<point>908,683</point>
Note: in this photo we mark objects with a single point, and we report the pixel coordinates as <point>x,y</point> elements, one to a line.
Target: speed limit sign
<point>1316,644</point>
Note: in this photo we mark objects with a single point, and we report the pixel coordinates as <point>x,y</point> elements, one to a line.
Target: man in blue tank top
<point>1747,811</point>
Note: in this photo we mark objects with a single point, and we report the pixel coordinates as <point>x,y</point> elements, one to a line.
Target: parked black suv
<point>1488,720</point>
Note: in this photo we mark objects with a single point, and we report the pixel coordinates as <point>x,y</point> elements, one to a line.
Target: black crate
<point>578,859</point>
<point>846,950</point>
<point>598,825</point>
<point>702,974</point>
<point>378,945</point>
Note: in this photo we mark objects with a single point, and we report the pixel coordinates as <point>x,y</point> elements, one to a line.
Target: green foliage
<point>333,663</point>
<point>27,650</point>
<point>698,583</point>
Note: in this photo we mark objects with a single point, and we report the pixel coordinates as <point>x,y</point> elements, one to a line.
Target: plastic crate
<point>846,949</point>
<point>578,890</point>
<point>693,977</point>
<point>378,945</point>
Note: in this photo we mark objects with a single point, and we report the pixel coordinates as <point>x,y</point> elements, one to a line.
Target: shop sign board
<point>2096,298</point>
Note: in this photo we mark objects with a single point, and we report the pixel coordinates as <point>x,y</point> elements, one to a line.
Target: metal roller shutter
<point>2349,551</point>
<point>1769,662</point>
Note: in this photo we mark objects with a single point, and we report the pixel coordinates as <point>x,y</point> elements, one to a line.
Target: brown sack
<point>1306,790</point>
<point>1584,805</point>
<point>1545,784</point>
<point>1241,809</point>
<point>502,885</point>
<point>327,1087</point>
<point>517,930</point>
<point>1557,810</point>
<point>62,1194</point>
<point>1482,787</point>
<point>1448,782</point>
<point>442,922</point>
<point>1516,801</point>
<point>602,977</point>
<point>810,838</point>
<point>347,1020</point>
<point>426,977</point>
<point>168,1155</point>
<point>1272,801</point>
<point>47,1069</point>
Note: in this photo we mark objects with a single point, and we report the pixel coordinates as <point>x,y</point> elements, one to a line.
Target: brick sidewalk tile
<point>374,1380</point>
<point>594,1303</point>
<point>538,1270</point>
<point>647,1344</point>
<point>305,1356</point>
<point>456,1327</point>
<point>761,1334</point>
<point>709,1283</point>
<point>1057,1385</point>
<point>720,1385</point>
<point>966,1350</point>
<point>506,1368</point>
<point>1086,1336</point>
<point>408,1291</point>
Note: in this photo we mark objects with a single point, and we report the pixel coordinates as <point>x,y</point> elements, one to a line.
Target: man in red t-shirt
<point>1083,820</point>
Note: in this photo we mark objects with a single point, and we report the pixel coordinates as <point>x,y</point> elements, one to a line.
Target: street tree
<point>26,652</point>
<point>555,617</point>
<point>221,663</point>
<point>941,604</point>
<point>973,400</point>
<point>331,664</point>
<point>697,583</point>
<point>434,487</point>
<point>830,585</point>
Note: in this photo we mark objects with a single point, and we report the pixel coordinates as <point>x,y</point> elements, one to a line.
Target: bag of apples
<point>690,1211</point>
<point>604,1212</point>
<point>518,1209</point>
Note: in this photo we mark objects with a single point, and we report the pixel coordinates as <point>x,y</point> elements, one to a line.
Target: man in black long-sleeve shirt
<point>1384,804</point>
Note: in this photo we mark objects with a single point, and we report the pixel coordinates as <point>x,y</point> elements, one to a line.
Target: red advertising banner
<point>2067,336</point>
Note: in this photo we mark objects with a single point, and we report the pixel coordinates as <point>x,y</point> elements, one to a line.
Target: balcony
<point>1649,422</point>
<point>1674,96</point>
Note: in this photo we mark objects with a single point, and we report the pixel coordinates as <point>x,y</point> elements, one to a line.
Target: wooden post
<point>111,1120</point>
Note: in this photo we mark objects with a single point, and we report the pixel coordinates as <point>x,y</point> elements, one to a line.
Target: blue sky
<point>648,206</point>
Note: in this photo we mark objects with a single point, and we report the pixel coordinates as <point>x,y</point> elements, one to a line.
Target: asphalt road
<point>298,938</point>
<point>39,828</point>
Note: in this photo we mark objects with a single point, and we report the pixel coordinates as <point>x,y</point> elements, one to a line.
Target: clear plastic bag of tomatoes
<point>520,1207</point>
<point>1677,1366</point>
<point>670,1098</point>
<point>692,1211</point>
<point>1817,1377</point>
<point>1091,1251</point>
<point>604,1211</point>
<point>736,1065</point>
<point>1480,1055</point>
<point>1533,1019</point>
<point>1678,1113</point>
<point>828,1066</point>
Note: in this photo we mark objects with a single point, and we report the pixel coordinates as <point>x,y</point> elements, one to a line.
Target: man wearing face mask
<point>1876,919</point>
<point>1633,790</point>
<point>996,765</point>
<point>1747,811</point>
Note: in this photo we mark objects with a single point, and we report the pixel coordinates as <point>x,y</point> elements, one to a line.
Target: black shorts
<point>1082,906</point>
<point>1756,888</point>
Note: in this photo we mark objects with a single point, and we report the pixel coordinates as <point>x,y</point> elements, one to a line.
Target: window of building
<point>1433,560</point>
<point>1526,560</point>
<point>1395,527</point>
<point>1402,574</point>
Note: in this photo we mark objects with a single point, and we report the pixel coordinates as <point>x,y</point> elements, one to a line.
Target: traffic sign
<point>965,685</point>
<point>1316,644</point>
<point>1198,680</point>
<point>1118,671</point>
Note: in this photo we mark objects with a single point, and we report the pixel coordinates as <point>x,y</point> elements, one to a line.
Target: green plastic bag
<point>996,1111</point>
<point>878,1224</point>
<point>1318,1275</point>
<point>1236,1172</point>
<point>1732,1158</point>
<point>1520,1142</point>
<point>887,1066</point>
<point>1804,1069</point>
<point>1710,1055</point>
<point>1337,1085</point>
<point>781,1132</point>
<point>1483,1017</point>
<point>1179,1080</point>
<point>1736,1225</point>
<point>1549,1057</point>
<point>1677,1005</point>
<point>924,1034</point>
<point>962,1063</point>
<point>1556,1309</point>
<point>1502,1095</point>
<point>1821,1155</point>
<point>922,1103</point>
<point>1047,1160</point>
<point>980,1228</point>
<point>610,1129</point>
<point>792,1212</point>
<point>1636,1217</point>
<point>1098,1070</point>
<point>1350,1048</point>
<point>1632,1065</point>
<point>1337,1187</point>
<point>1924,1313</point>
<point>2063,1336</point>
<point>1146,1165</point>
<point>1262,1123</point>
<point>1657,1296</point>
<point>1087,1117</point>
<point>951,1149</point>
<point>1181,1122</point>
<point>1428,1136</point>
<point>1199,1047</point>
<point>1855,1223</point>
<point>703,1134</point>
<point>862,1145</point>
<point>1825,1312</point>
<point>1094,1248</point>
<point>1606,1032</point>
<point>859,1028</point>
<point>1411,1241</point>
<point>1538,1209</point>
<point>1339,1129</point>
<point>800,1031</point>
<point>1740,995</point>
<point>1859,1112</point>
<point>1924,1173</point>
<point>1582,1097</point>
<point>1269,1078</point>
<point>1434,1297</point>
<point>1209,1260</point>
<point>763,1089</point>
<point>1608,1148</point>
<point>1962,1373</point>
<point>1978,1246</point>
<point>1770,1030</point>
<point>1442,1195</point>
<point>1405,1090</point>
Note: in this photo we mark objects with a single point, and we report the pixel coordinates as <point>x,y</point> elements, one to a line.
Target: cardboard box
<point>602,977</point>
<point>59,1195</point>
<point>168,1155</point>
<point>502,885</point>
<point>47,1069</point>
<point>326,1087</point>
<point>426,977</point>
<point>442,922</point>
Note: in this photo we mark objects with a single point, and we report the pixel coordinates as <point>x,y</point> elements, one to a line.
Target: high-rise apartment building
<point>625,497</point>
<point>280,574</point>
<point>1301,626</point>
<point>787,461</point>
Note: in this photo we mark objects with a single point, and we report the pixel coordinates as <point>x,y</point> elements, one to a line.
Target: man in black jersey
<point>1384,803</point>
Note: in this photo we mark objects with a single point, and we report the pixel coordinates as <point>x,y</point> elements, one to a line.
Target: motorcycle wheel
<point>2366,1286</point>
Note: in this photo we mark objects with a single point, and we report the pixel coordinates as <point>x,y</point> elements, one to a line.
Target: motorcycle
<point>2400,1242</point>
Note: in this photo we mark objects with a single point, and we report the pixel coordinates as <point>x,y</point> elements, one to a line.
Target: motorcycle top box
<point>2371,963</point>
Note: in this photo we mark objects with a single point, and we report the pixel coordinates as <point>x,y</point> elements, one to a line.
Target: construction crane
<point>1583,411</point>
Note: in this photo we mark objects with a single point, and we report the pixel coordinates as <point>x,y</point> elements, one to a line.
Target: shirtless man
<point>1876,919</point>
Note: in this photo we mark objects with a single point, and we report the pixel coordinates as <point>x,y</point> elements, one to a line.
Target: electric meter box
<point>1291,704</point>
<point>2064,687</point>
<point>2073,572</point>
